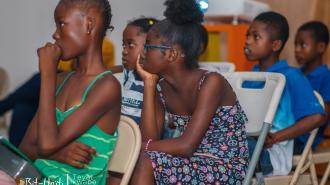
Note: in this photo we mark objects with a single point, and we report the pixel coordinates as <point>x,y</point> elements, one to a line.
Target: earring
<point>88,32</point>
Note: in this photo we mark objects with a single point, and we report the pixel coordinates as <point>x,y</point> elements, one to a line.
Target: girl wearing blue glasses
<point>212,147</point>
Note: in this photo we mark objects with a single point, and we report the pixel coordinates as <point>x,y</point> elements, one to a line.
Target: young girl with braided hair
<point>80,109</point>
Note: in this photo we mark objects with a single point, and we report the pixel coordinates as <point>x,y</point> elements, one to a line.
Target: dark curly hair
<point>182,26</point>
<point>102,5</point>
<point>319,31</point>
<point>144,23</point>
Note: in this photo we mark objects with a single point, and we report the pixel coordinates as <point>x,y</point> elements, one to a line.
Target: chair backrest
<point>220,67</point>
<point>127,149</point>
<point>4,82</point>
<point>260,105</point>
<point>319,98</point>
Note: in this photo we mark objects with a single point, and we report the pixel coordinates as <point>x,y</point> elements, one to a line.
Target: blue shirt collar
<point>318,71</point>
<point>274,68</point>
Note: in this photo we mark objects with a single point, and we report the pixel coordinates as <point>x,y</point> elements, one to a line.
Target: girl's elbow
<point>321,118</point>
<point>187,151</point>
<point>45,150</point>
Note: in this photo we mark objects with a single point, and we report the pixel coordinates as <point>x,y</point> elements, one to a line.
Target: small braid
<point>102,5</point>
<point>107,16</point>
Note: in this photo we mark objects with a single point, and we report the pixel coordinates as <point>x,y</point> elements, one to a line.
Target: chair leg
<point>304,164</point>
<point>256,153</point>
<point>312,169</point>
<point>325,175</point>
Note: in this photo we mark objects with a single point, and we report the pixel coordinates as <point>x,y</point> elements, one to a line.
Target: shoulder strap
<point>202,79</point>
<point>60,87</point>
<point>161,95</point>
<point>92,83</point>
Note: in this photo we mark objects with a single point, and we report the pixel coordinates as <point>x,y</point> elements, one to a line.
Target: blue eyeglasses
<point>161,47</point>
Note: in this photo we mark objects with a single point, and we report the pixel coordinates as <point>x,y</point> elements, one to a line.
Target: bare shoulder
<point>219,89</point>
<point>107,85</point>
<point>215,79</point>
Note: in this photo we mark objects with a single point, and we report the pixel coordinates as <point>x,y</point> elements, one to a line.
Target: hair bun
<point>183,12</point>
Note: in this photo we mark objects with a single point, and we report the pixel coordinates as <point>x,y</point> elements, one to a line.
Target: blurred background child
<point>311,42</point>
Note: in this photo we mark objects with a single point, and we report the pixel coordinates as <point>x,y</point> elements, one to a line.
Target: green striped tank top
<point>96,171</point>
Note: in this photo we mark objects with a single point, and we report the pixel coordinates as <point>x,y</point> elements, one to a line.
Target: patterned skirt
<point>197,169</point>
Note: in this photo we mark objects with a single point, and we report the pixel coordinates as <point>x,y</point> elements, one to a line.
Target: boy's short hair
<point>319,31</point>
<point>277,25</point>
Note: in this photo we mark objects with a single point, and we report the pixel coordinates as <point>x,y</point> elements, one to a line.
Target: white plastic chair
<point>304,173</point>
<point>260,106</point>
<point>220,67</point>
<point>127,149</point>
<point>307,160</point>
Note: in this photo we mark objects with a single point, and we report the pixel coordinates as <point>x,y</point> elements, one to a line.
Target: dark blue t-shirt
<point>319,78</point>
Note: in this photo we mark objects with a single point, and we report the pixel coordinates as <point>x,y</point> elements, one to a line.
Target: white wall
<point>28,24</point>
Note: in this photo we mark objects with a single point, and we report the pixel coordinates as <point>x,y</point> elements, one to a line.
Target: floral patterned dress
<point>221,158</point>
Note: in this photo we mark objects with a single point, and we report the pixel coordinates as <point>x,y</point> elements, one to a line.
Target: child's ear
<point>91,22</point>
<point>277,45</point>
<point>321,47</point>
<point>173,54</point>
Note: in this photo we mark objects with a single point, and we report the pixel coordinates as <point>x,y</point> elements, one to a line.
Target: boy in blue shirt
<point>299,111</point>
<point>311,42</point>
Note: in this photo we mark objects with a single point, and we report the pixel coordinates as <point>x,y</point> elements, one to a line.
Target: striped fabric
<point>96,171</point>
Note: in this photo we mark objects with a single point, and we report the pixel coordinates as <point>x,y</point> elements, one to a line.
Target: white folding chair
<point>307,160</point>
<point>320,157</point>
<point>127,149</point>
<point>260,106</point>
<point>220,67</point>
<point>304,173</point>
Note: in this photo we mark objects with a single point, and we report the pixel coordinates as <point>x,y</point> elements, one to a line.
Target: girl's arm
<point>70,154</point>
<point>327,110</point>
<point>210,97</point>
<point>104,97</point>
<point>152,111</point>
<point>29,142</point>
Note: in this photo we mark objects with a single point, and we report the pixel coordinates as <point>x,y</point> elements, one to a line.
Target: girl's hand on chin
<point>49,56</point>
<point>145,75</point>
